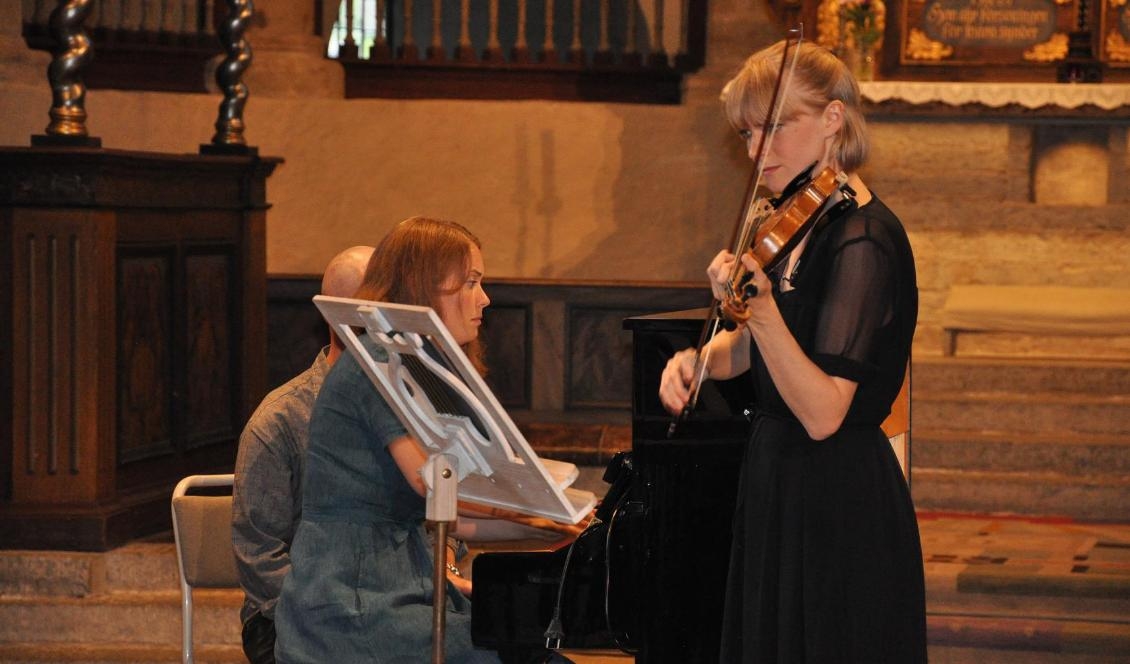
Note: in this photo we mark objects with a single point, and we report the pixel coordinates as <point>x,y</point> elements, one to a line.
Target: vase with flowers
<point>861,33</point>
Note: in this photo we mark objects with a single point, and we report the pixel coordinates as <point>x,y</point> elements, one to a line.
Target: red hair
<point>413,263</point>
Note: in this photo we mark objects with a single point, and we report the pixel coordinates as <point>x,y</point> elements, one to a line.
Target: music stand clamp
<point>476,452</point>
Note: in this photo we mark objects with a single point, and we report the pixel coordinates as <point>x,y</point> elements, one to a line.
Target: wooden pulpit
<point>133,304</point>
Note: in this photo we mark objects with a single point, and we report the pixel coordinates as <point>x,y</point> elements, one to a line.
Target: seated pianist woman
<point>360,588</point>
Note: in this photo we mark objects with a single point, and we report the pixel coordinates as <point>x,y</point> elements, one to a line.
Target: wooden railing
<point>141,44</point>
<point>593,50</point>
<point>170,21</point>
<point>579,50</point>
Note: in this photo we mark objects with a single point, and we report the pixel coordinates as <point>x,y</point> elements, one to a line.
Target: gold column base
<point>67,128</point>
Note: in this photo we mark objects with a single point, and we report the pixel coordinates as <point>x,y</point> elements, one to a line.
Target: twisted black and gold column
<point>73,52</point>
<point>229,125</point>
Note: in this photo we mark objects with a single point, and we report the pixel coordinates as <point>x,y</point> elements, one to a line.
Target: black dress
<point>826,563</point>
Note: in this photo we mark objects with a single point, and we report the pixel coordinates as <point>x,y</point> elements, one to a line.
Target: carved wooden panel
<point>505,335</point>
<point>145,362</point>
<point>550,345</point>
<point>51,421</point>
<point>600,358</point>
<point>295,329</point>
<point>210,373</point>
<point>133,294</point>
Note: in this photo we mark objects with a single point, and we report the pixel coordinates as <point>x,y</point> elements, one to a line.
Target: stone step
<point>1036,589</point>
<point>953,374</point>
<point>115,653</point>
<point>140,618</point>
<point>142,566</point>
<point>138,566</point>
<point>994,640</point>
<point>1095,497</point>
<point>47,573</point>
<point>1066,453</point>
<point>1022,412</point>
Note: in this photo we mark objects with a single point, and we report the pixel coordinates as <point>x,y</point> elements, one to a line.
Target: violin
<point>783,222</point>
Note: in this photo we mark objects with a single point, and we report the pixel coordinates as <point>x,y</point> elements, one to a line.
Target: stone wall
<point>1006,202</point>
<point>616,191</point>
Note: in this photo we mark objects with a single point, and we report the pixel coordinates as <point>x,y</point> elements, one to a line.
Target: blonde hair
<point>413,263</point>
<point>819,79</point>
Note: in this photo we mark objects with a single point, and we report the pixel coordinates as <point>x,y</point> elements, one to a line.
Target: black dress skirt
<point>826,563</point>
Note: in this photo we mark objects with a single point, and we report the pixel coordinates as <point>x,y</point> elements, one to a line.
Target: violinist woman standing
<point>826,563</point>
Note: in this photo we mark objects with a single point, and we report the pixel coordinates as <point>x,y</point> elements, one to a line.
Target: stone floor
<point>1000,589</point>
<point>1017,590</point>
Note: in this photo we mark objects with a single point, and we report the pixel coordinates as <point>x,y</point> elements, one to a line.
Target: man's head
<point>342,278</point>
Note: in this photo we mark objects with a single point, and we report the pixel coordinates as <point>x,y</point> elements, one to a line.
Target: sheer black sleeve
<point>858,299</point>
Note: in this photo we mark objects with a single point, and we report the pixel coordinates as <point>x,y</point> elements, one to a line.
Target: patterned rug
<point>1050,585</point>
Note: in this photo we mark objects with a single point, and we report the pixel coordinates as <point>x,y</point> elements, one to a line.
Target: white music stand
<point>475,450</point>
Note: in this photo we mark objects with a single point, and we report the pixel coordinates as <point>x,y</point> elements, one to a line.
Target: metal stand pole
<point>439,600</point>
<point>443,495</point>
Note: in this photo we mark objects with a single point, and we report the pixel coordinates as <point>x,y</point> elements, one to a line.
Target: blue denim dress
<point>360,588</point>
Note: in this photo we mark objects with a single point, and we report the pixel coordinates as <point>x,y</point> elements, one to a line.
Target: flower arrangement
<point>853,30</point>
<point>863,23</point>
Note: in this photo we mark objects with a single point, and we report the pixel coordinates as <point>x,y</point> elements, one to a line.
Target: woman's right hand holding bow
<point>675,383</point>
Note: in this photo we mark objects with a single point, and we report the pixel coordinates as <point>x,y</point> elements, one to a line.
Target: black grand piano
<point>650,577</point>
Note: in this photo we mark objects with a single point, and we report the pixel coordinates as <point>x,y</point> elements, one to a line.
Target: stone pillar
<point>289,58</point>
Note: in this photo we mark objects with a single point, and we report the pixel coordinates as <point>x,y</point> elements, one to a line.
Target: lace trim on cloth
<point>1107,96</point>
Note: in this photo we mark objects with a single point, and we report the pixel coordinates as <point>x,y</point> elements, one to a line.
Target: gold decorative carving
<point>1055,48</point>
<point>921,47</point>
<point>828,24</point>
<point>1117,48</point>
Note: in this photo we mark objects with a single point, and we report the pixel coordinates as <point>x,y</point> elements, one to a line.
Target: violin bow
<point>745,227</point>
